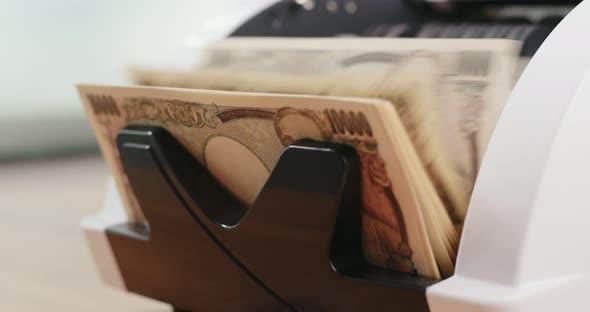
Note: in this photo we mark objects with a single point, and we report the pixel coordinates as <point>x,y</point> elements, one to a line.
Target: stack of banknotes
<point>419,112</point>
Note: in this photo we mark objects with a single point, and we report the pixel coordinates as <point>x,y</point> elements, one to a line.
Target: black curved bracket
<point>299,242</point>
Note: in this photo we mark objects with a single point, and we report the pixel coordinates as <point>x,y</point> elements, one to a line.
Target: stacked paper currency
<point>419,112</point>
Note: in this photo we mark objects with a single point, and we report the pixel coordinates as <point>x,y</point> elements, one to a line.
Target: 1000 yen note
<point>219,127</point>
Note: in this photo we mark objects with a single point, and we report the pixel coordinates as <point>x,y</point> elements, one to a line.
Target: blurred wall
<point>46,47</point>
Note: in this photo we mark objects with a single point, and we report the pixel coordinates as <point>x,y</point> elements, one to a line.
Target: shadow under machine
<point>297,248</point>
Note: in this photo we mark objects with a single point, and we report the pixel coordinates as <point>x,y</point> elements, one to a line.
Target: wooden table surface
<point>45,264</point>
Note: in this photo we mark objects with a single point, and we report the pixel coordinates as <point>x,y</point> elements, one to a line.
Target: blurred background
<point>51,174</point>
<point>50,46</point>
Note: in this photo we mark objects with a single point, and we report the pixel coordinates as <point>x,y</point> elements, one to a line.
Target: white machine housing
<point>523,242</point>
<point>522,247</point>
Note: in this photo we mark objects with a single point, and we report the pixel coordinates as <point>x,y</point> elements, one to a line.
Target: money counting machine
<point>297,248</point>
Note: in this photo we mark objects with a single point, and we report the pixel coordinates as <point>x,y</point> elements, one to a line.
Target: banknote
<point>450,127</point>
<point>409,90</point>
<point>401,207</point>
<point>473,80</point>
<point>474,77</point>
<point>444,97</point>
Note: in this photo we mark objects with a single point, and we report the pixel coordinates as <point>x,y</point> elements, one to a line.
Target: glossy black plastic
<point>290,19</point>
<point>287,18</point>
<point>174,259</point>
<point>299,241</point>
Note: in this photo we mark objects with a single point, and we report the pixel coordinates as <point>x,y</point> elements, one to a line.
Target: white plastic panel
<point>524,242</point>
